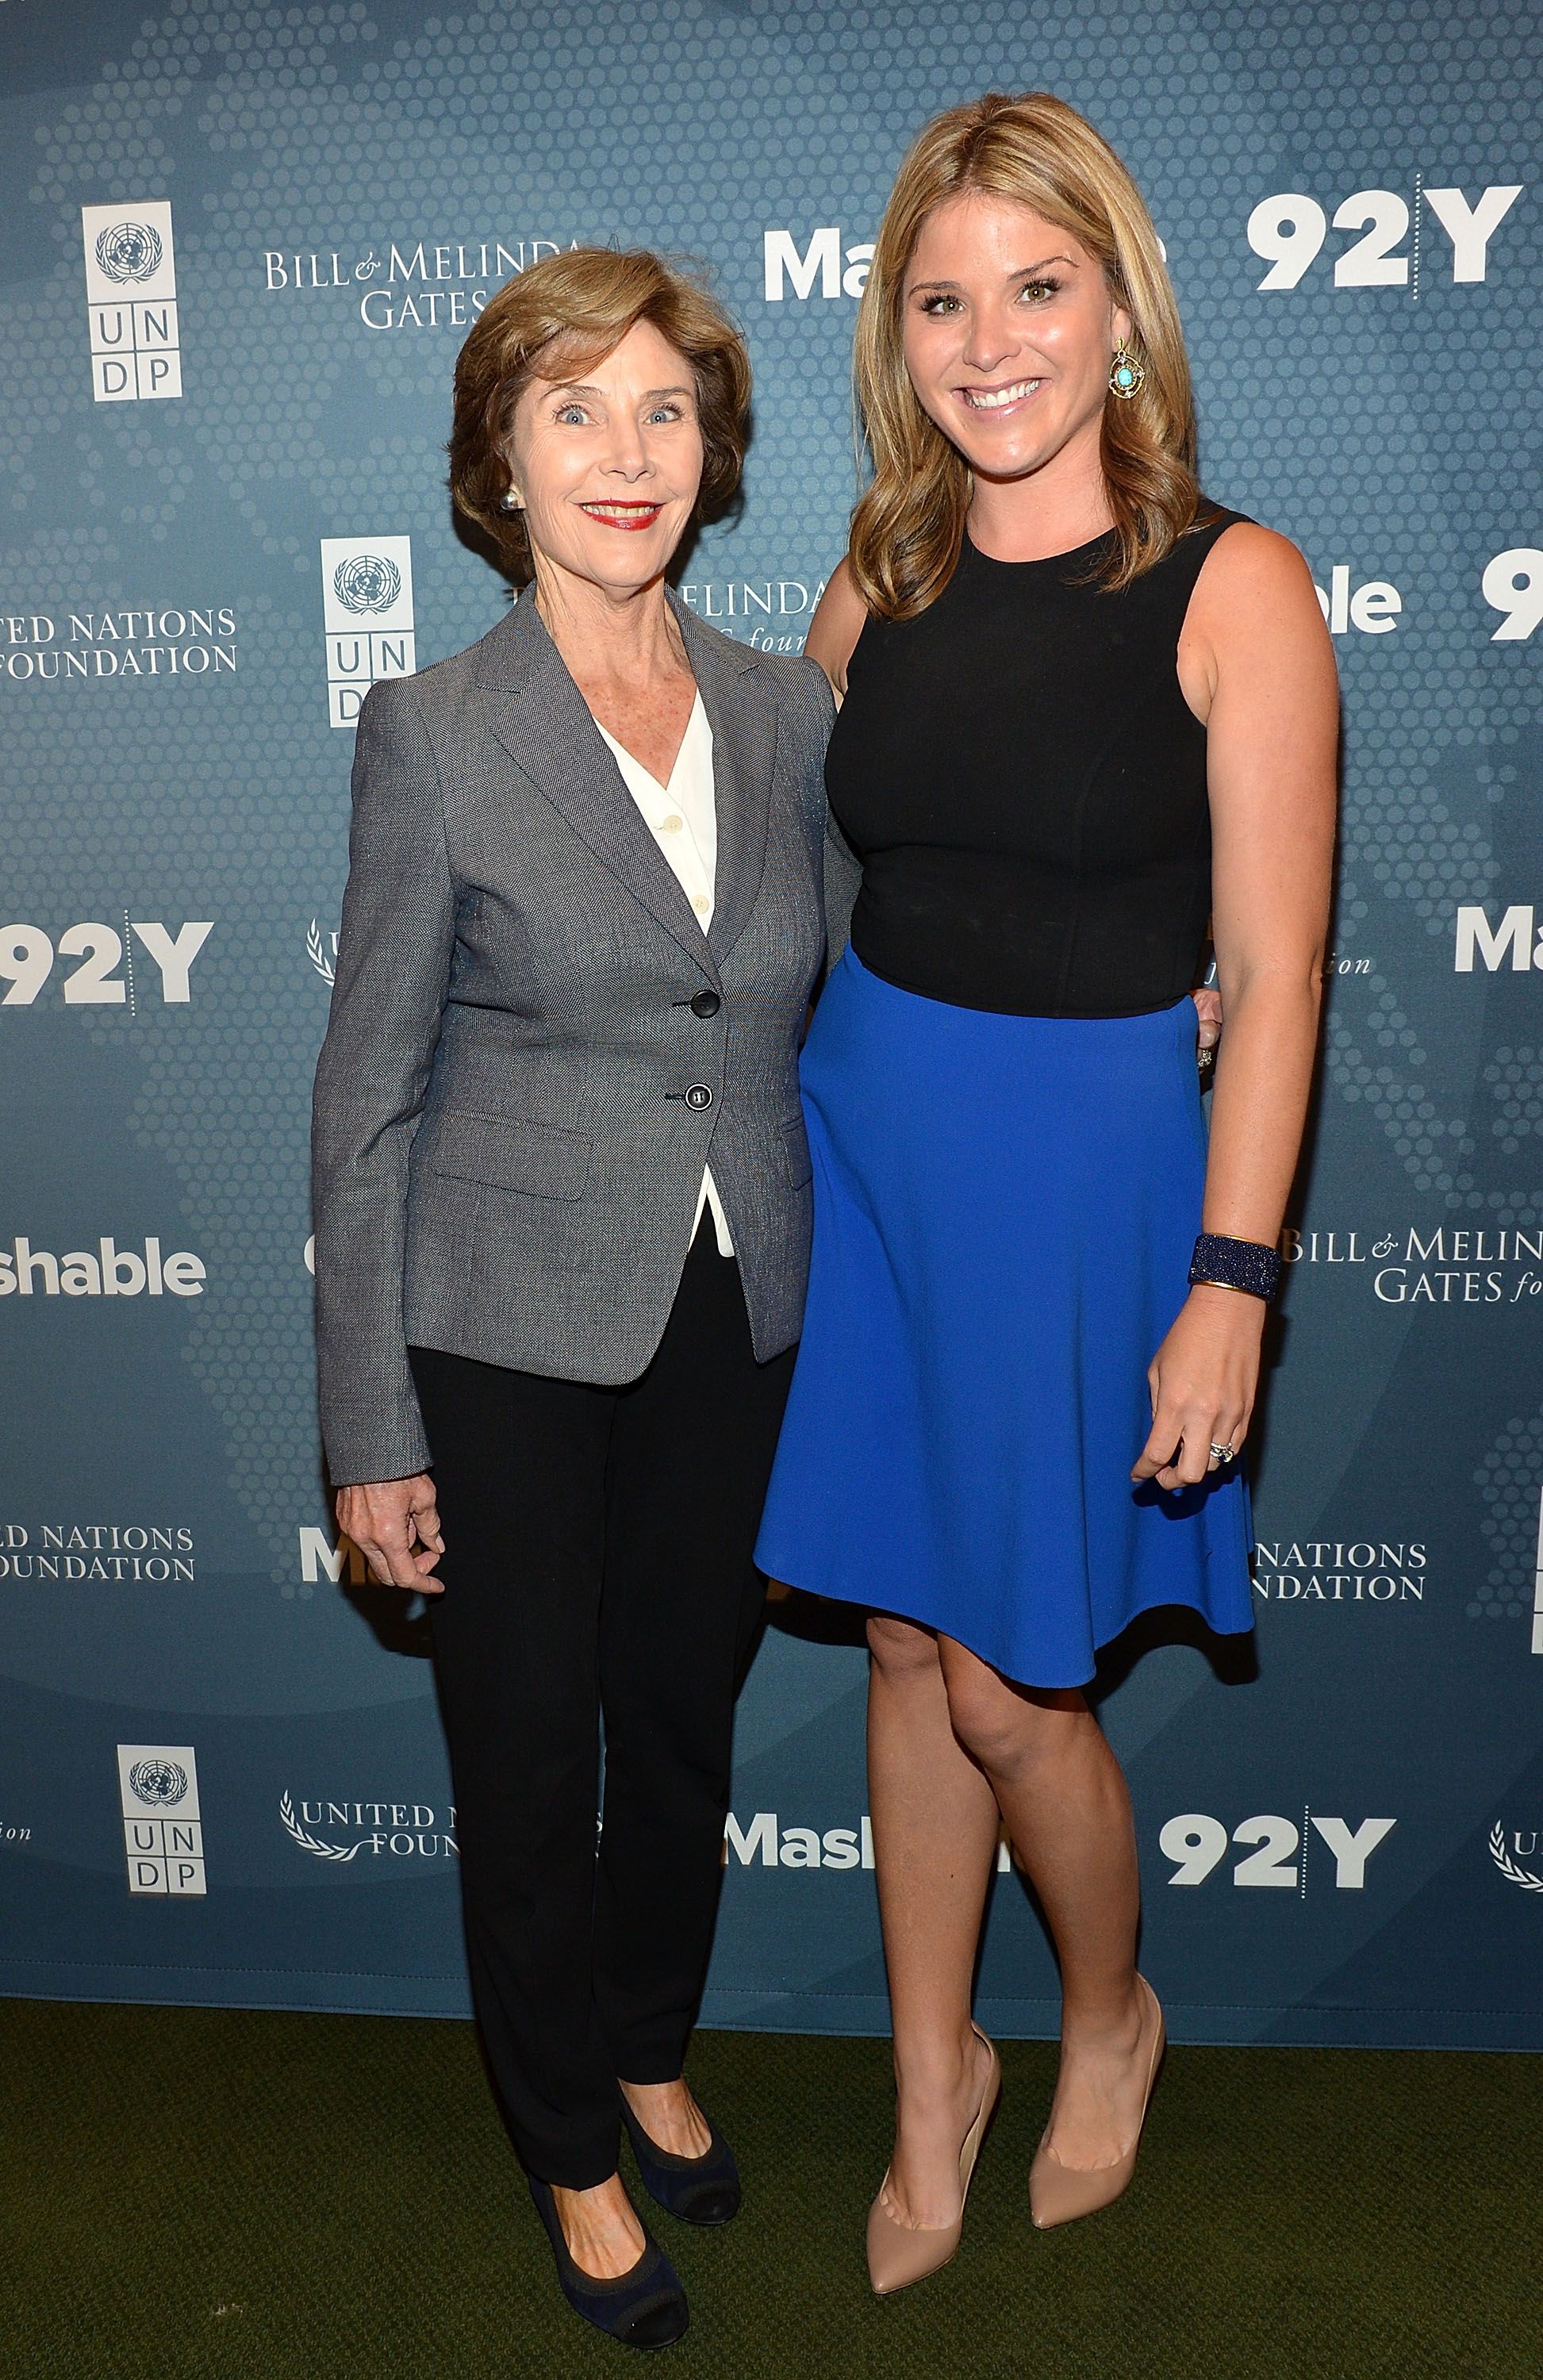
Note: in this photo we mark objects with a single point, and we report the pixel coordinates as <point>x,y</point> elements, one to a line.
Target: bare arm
<point>1257,665</point>
<point>838,623</point>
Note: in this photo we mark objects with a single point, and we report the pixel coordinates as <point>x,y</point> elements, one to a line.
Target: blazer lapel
<point>545,725</point>
<point>744,723</point>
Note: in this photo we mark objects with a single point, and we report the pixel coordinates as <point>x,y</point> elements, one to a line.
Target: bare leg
<point>670,2115</point>
<point>1061,1792</point>
<point>600,2225</point>
<point>934,1838</point>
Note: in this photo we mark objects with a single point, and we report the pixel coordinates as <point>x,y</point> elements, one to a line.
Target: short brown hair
<point>590,298</point>
<point>910,526</point>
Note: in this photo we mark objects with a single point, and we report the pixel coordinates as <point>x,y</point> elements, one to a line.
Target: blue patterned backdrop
<point>241,245</point>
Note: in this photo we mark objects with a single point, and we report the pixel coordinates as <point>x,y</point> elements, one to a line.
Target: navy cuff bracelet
<point>1236,1264</point>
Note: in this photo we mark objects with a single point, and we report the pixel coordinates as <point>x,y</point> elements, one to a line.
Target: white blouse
<point>682,817</point>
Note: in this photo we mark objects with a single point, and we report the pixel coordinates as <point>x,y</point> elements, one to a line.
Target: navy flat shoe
<point>644,2308</point>
<point>699,2189</point>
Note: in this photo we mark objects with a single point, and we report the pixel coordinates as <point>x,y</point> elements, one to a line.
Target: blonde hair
<point>909,524</point>
<point>588,298</point>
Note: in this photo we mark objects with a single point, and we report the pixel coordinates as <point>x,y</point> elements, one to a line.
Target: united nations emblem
<point>128,251</point>
<point>367,582</point>
<point>159,1783</point>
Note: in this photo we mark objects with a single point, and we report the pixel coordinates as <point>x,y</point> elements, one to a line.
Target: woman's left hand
<point>1203,1380</point>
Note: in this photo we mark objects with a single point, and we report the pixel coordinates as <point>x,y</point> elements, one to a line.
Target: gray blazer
<point>534,1050</point>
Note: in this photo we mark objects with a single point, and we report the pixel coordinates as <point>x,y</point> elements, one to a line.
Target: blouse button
<point>672,825</point>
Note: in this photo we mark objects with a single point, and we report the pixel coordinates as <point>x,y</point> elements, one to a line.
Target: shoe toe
<point>716,2203</point>
<point>660,2326</point>
<point>899,2255</point>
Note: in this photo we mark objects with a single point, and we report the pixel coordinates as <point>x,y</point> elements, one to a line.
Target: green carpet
<point>193,2194</point>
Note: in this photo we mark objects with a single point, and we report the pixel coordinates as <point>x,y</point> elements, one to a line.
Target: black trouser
<point>597,1563</point>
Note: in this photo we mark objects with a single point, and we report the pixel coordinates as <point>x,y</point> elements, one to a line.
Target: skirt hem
<point>946,1628</point>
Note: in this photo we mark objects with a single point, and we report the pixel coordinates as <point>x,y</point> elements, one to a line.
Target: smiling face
<point>608,464</point>
<point>1008,330</point>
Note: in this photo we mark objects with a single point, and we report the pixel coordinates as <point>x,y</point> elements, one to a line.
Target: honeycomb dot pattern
<point>349,181</point>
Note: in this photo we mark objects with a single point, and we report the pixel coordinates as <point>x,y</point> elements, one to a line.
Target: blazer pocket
<point>510,1153</point>
<point>795,1147</point>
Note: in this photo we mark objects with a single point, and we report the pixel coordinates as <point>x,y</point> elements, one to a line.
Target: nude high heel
<point>899,2254</point>
<point>1060,2193</point>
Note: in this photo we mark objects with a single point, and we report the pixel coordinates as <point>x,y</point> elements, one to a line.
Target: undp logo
<point>159,1783</point>
<point>131,301</point>
<point>129,251</point>
<point>367,582</point>
<point>368,615</point>
<point>164,1854</point>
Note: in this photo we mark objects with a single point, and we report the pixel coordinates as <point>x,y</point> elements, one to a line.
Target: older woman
<point>1086,712</point>
<point>562,1194</point>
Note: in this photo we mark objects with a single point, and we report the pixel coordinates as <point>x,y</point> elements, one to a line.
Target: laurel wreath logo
<point>317,954</point>
<point>343,1852</point>
<point>1511,1869</point>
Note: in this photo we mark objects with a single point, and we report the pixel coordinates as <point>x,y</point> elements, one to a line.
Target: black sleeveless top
<point>1025,787</point>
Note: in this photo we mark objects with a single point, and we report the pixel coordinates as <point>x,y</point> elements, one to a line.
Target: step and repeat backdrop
<point>242,246</point>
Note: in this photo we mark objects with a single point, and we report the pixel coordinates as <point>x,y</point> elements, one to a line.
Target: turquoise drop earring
<point>1125,373</point>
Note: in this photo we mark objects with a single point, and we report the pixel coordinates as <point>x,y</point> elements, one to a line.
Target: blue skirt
<point>1006,1209</point>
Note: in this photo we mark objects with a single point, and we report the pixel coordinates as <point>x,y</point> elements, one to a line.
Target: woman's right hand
<point>395,1523</point>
